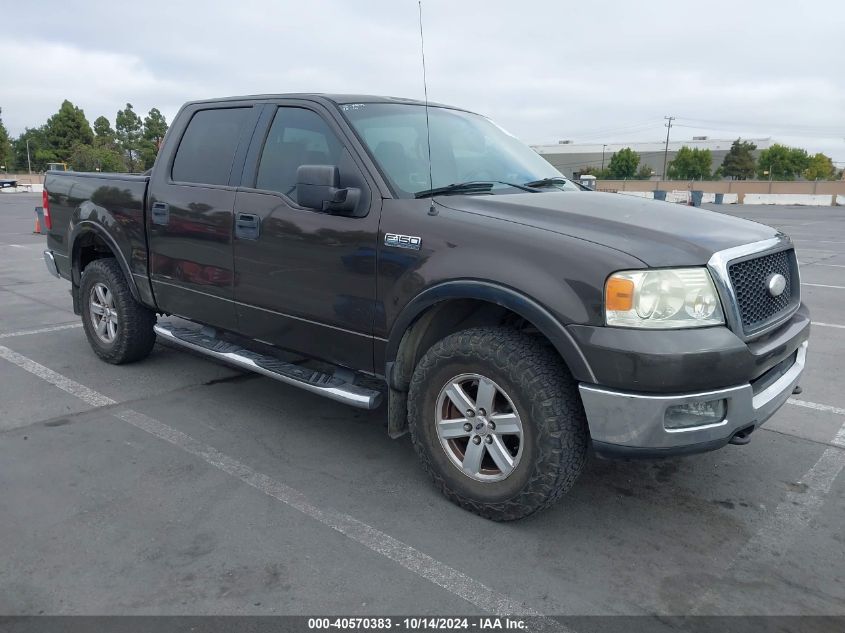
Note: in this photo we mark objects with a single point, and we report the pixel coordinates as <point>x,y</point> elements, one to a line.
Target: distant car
<point>513,319</point>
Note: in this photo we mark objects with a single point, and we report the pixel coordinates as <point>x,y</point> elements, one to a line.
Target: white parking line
<point>791,516</point>
<point>42,330</point>
<point>804,283</point>
<point>89,396</point>
<point>823,407</point>
<point>836,325</point>
<point>412,559</point>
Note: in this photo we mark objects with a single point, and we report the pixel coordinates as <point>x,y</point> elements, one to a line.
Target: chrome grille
<point>749,278</point>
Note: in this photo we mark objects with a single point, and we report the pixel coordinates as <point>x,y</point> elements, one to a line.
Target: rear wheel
<point>497,422</point>
<point>119,329</point>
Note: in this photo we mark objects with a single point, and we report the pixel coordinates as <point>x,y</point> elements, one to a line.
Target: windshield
<point>465,147</point>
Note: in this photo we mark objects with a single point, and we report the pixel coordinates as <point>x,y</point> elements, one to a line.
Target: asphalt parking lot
<point>182,486</point>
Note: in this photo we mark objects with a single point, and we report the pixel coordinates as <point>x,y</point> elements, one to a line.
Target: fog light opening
<point>692,414</point>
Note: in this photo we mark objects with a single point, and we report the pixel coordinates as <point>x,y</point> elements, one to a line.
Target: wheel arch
<point>454,305</point>
<point>90,241</point>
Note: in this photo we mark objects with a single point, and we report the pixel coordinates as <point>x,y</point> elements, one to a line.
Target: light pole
<point>602,156</point>
<point>666,150</point>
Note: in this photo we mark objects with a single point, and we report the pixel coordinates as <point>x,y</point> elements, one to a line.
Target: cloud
<point>544,69</point>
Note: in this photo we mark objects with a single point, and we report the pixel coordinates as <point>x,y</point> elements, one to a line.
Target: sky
<point>544,70</point>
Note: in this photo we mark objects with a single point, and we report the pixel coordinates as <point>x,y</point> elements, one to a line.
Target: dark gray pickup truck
<point>512,320</point>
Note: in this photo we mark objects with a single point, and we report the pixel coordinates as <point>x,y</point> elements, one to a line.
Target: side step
<point>317,382</point>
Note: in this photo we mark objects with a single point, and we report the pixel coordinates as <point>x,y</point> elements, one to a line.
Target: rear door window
<point>207,148</point>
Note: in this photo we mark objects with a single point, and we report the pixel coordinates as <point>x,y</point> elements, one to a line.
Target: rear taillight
<point>45,204</point>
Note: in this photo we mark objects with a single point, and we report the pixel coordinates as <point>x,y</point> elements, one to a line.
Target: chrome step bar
<point>322,384</point>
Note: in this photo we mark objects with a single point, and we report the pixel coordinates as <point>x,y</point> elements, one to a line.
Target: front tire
<point>497,422</point>
<point>119,329</point>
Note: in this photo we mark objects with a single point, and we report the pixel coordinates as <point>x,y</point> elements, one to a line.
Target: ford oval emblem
<point>776,284</point>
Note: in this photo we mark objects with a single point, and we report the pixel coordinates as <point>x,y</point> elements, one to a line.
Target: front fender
<point>516,302</point>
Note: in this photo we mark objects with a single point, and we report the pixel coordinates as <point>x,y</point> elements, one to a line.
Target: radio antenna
<point>431,210</point>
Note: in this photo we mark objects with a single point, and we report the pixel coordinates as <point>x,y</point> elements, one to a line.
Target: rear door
<point>189,218</point>
<point>305,279</point>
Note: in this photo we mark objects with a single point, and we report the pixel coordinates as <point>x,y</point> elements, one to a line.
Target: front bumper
<point>627,424</point>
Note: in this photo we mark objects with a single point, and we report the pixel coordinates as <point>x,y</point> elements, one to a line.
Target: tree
<point>644,172</point>
<point>739,161</point>
<point>623,164</point>
<point>690,164</point>
<point>5,145</point>
<point>40,151</point>
<point>128,129</point>
<point>820,167</point>
<point>155,127</point>
<point>780,162</point>
<point>97,158</point>
<point>104,135</point>
<point>601,174</point>
<point>66,129</point>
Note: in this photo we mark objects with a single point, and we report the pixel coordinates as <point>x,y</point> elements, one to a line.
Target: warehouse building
<point>569,158</point>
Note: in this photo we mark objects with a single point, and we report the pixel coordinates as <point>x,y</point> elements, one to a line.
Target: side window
<point>207,148</point>
<point>297,137</point>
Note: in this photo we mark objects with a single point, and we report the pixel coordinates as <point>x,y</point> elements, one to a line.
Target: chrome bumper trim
<point>637,420</point>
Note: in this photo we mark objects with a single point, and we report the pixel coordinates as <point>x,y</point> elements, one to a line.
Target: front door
<point>190,217</point>
<point>305,279</point>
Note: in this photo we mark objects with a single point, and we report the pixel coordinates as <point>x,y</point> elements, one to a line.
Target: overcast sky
<point>545,70</point>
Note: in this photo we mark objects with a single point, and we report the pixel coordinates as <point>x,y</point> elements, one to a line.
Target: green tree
<point>623,164</point>
<point>780,162</point>
<point>128,129</point>
<point>6,156</point>
<point>155,127</point>
<point>690,164</point>
<point>644,172</point>
<point>104,135</point>
<point>66,129</point>
<point>97,158</point>
<point>40,151</point>
<point>739,162</point>
<point>601,174</point>
<point>820,167</point>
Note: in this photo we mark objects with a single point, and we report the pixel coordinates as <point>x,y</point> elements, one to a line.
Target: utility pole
<point>28,163</point>
<point>602,156</point>
<point>666,150</point>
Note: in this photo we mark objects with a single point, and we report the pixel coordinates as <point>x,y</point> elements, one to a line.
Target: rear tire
<point>547,448</point>
<point>119,329</point>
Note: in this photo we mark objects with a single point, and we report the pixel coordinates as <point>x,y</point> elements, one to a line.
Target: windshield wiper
<point>547,182</point>
<point>473,186</point>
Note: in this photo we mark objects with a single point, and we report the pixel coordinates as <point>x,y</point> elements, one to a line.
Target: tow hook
<point>743,436</point>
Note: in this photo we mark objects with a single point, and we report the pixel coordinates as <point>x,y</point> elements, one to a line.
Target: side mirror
<point>317,188</point>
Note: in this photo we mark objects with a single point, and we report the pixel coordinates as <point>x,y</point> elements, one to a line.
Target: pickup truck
<point>420,254</point>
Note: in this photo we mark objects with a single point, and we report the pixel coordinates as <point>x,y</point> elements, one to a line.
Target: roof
<point>338,99</point>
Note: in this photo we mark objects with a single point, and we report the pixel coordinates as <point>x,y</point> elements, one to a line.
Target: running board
<point>317,382</point>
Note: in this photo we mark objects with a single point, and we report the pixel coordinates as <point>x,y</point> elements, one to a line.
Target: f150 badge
<point>402,241</point>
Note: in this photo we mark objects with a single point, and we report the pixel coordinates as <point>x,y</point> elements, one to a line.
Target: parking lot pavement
<point>178,485</point>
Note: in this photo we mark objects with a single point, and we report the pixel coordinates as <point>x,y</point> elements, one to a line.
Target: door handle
<point>247,226</point>
<point>161,213</point>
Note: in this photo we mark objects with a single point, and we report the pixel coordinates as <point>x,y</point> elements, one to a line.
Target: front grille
<point>750,278</point>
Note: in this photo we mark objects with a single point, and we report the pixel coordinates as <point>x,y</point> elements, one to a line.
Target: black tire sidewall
<point>135,336</point>
<point>92,275</point>
<point>425,428</point>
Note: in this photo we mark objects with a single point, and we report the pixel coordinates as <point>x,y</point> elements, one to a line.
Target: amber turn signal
<point>619,294</point>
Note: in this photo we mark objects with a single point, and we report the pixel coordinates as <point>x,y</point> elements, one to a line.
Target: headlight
<point>665,298</point>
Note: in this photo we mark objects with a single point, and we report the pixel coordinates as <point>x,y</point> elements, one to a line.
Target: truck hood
<point>657,233</point>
